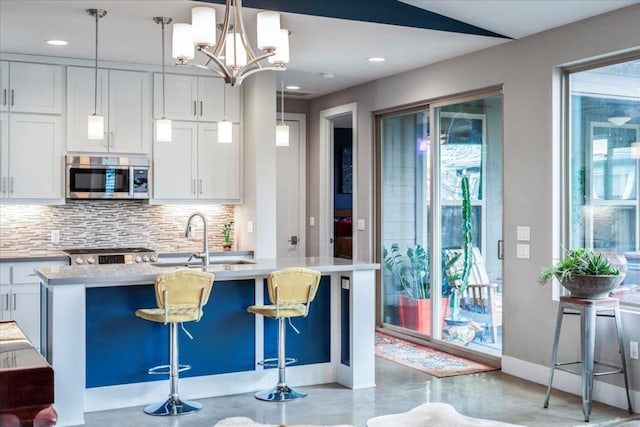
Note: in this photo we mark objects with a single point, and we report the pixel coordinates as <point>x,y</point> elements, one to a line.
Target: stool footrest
<point>166,369</point>
<point>618,369</point>
<point>273,362</point>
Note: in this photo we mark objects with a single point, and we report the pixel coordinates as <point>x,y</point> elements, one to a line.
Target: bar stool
<point>290,291</point>
<point>180,296</point>
<point>588,310</point>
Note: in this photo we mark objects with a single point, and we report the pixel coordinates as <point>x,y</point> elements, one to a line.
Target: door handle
<point>331,240</point>
<point>293,240</point>
<point>500,249</point>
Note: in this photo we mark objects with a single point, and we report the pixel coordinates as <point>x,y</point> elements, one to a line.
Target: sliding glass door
<point>423,156</point>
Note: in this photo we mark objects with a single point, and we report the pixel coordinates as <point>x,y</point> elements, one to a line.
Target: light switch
<point>345,282</point>
<point>312,221</point>
<point>523,251</point>
<point>249,226</point>
<point>523,233</point>
<point>361,224</point>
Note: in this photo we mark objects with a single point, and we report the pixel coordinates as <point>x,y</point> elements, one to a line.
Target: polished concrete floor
<point>491,395</point>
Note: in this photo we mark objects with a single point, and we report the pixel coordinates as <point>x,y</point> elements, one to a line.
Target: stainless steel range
<point>92,256</point>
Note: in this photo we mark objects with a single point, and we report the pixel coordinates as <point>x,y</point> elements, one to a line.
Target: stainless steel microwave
<point>107,177</point>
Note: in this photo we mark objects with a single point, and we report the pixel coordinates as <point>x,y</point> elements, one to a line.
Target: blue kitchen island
<point>101,352</point>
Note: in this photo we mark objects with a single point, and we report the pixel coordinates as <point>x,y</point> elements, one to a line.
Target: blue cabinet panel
<point>122,347</point>
<point>313,345</point>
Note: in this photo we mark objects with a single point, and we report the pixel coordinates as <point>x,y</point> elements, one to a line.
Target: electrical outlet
<point>633,349</point>
<point>55,236</point>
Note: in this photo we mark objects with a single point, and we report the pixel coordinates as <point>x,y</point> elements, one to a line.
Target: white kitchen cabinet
<point>20,296</point>
<point>124,99</point>
<point>31,88</point>
<point>31,149</point>
<point>194,166</point>
<point>195,98</point>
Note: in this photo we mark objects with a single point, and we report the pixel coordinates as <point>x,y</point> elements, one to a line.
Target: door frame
<point>326,188</point>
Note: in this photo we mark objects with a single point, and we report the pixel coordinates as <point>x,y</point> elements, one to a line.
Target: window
<point>604,153</point>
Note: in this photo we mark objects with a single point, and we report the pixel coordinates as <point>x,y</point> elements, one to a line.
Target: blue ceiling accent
<point>390,12</point>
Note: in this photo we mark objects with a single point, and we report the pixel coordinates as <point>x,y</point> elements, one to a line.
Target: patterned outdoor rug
<point>433,362</point>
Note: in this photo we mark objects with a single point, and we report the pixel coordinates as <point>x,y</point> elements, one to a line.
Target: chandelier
<point>229,54</point>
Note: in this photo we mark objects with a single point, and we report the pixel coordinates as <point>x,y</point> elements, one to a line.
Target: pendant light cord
<point>95,81</point>
<point>163,95</point>
<point>282,101</point>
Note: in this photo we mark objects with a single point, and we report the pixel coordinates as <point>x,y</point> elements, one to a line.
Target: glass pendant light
<point>282,130</point>
<point>225,127</point>
<point>163,125</point>
<point>95,123</point>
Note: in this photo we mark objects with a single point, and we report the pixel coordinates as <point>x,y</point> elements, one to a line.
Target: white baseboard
<point>606,393</point>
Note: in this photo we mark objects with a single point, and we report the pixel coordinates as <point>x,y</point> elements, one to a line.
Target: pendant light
<point>163,125</point>
<point>282,130</point>
<point>96,121</point>
<point>225,127</point>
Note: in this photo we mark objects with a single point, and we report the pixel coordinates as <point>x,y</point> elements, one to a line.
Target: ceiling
<point>331,37</point>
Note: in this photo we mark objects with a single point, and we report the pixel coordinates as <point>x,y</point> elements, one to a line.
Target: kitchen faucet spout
<point>204,256</point>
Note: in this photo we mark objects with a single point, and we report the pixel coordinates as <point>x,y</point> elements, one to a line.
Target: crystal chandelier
<point>230,54</point>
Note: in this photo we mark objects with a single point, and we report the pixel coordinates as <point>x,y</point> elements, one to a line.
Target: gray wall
<point>528,71</point>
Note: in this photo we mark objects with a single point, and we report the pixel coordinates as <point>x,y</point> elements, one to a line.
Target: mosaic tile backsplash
<point>108,224</point>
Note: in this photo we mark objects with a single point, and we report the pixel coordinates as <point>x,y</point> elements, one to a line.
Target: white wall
<point>528,71</point>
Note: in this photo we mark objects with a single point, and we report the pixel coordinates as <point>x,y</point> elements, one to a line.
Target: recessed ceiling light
<point>376,59</point>
<point>57,42</point>
<point>293,87</point>
<point>328,75</point>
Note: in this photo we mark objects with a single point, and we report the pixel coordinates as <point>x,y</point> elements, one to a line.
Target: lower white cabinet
<point>20,296</point>
<point>194,166</point>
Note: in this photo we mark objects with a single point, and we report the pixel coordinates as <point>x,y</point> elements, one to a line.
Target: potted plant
<point>411,270</point>
<point>584,273</point>
<point>226,233</point>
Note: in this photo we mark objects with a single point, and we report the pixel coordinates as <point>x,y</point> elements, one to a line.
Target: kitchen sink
<point>199,264</point>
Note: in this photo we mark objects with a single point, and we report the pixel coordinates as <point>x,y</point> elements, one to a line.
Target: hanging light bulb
<point>163,125</point>
<point>95,121</point>
<point>225,127</point>
<point>282,130</point>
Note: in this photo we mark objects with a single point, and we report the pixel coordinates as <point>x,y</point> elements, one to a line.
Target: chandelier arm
<point>255,62</point>
<point>225,72</point>
<point>223,33</point>
<point>224,76</point>
<point>243,36</point>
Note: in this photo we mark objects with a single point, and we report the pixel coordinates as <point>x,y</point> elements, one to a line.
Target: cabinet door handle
<point>4,184</point>
<point>200,185</point>
<point>11,185</point>
<point>193,186</point>
<point>13,298</point>
<point>13,97</point>
<point>201,109</point>
<point>111,138</point>
<point>4,97</point>
<point>5,305</point>
<point>195,113</point>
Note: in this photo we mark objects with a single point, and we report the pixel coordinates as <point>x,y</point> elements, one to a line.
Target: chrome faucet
<point>204,255</point>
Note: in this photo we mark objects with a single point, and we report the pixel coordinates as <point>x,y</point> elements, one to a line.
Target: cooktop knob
<point>145,258</point>
<point>154,258</point>
<point>91,260</point>
<point>79,260</point>
<point>138,259</point>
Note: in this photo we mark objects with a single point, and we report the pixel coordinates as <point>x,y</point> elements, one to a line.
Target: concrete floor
<point>491,395</point>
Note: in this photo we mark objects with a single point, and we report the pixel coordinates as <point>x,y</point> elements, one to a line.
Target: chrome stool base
<point>173,406</point>
<point>280,393</point>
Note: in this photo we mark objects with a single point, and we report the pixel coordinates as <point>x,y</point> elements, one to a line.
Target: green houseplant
<point>412,271</point>
<point>584,273</point>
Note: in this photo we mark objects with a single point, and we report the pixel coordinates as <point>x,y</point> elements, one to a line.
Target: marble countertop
<point>136,274</point>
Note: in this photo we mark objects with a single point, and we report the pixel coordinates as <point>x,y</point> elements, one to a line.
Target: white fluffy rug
<point>432,415</point>
<point>248,422</point>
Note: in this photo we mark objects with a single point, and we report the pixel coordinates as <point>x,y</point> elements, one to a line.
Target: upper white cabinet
<point>194,166</point>
<point>124,99</point>
<point>31,156</point>
<point>196,98</point>
<point>31,88</point>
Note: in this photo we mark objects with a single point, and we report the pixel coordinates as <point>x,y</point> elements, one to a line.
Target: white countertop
<point>136,274</point>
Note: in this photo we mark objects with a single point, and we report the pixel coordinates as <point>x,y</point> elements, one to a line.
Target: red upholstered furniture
<point>26,381</point>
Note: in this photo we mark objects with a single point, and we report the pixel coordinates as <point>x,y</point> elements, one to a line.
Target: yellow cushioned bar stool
<point>290,291</point>
<point>180,296</point>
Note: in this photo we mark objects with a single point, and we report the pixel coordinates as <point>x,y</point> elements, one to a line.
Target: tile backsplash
<point>110,223</point>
